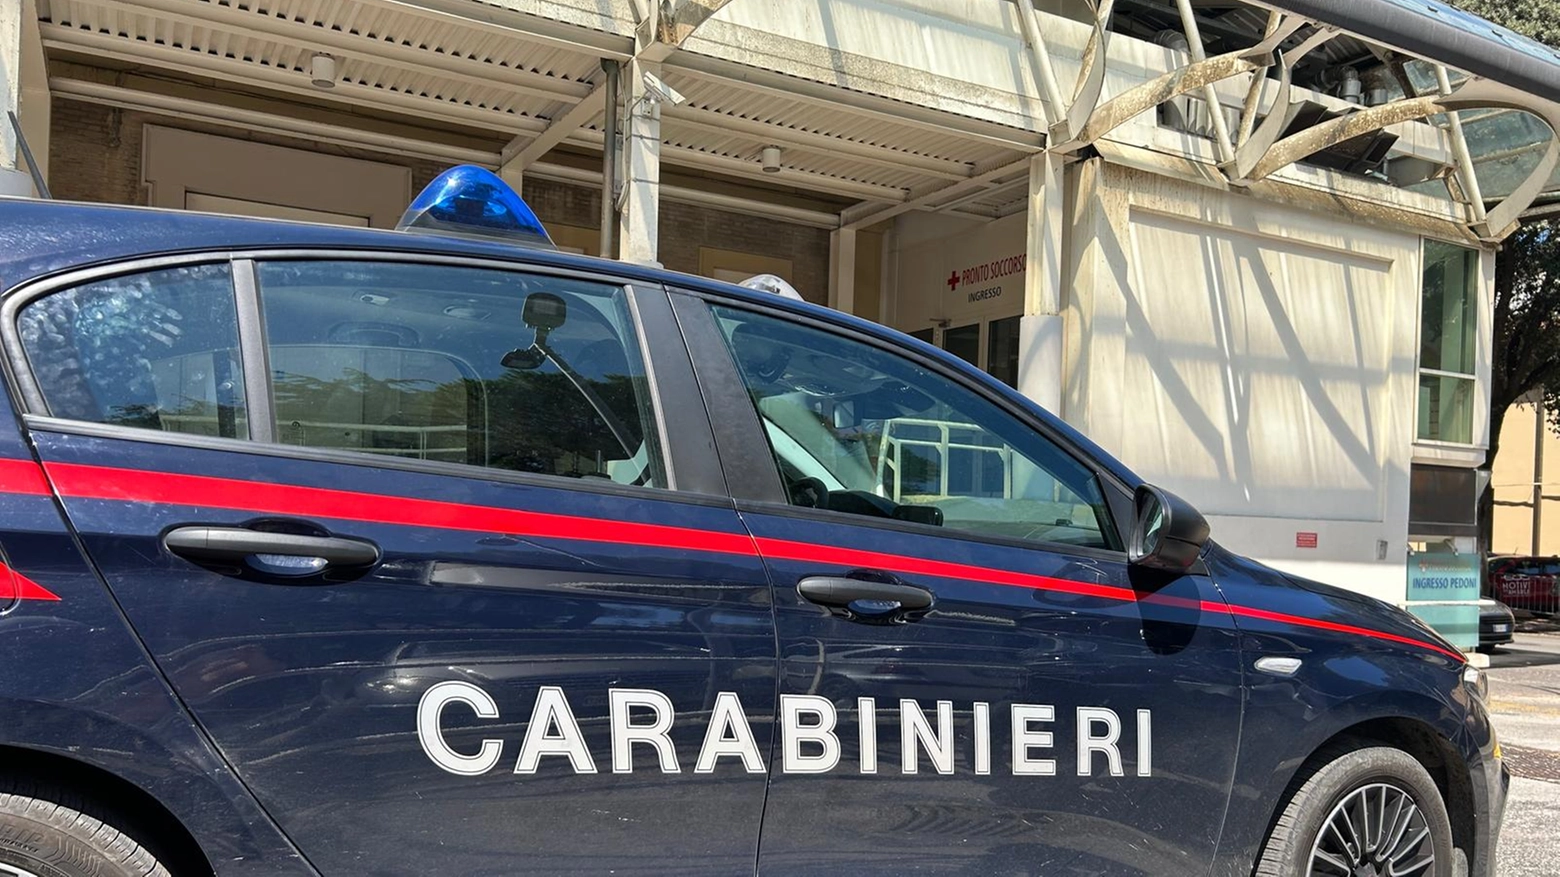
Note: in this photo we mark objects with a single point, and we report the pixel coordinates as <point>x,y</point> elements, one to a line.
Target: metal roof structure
<point>495,84</point>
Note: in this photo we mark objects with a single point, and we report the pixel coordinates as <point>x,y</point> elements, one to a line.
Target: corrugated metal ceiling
<point>465,71</point>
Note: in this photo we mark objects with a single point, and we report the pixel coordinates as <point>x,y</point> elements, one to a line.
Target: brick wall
<point>687,227</point>
<point>95,155</point>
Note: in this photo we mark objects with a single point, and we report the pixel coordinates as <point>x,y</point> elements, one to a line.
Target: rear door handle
<point>237,543</point>
<point>849,594</point>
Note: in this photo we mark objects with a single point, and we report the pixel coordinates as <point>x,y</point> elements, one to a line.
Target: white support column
<point>21,52</point>
<point>514,176</point>
<point>842,270</point>
<point>1040,61</point>
<point>34,103</point>
<point>641,183</point>
<point>1040,332</point>
<point>1465,169</point>
<point>1221,131</point>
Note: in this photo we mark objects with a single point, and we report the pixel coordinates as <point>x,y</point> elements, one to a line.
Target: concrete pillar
<point>842,270</point>
<point>514,176</point>
<point>24,90</point>
<point>641,184</point>
<point>1040,332</point>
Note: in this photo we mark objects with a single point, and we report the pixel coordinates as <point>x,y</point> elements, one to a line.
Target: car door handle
<point>839,592</point>
<point>237,543</point>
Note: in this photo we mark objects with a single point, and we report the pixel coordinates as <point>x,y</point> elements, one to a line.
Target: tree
<point>1526,349</point>
<point>1539,19</point>
<point>1526,344</point>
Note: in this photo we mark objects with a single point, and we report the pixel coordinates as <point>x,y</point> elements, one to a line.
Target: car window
<point>483,367</point>
<point>854,428</point>
<point>153,350</point>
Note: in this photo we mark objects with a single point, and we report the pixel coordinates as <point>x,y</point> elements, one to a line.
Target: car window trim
<point>36,414</point>
<point>1107,482</point>
<point>738,434</point>
<point>688,440</point>
<point>254,352</point>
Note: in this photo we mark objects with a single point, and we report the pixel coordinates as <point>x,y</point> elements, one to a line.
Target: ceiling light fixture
<point>322,71</point>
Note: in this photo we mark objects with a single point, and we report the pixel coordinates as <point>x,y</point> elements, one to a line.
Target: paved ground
<point>1525,701</point>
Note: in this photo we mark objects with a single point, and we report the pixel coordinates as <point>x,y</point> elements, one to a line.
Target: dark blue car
<point>335,551</point>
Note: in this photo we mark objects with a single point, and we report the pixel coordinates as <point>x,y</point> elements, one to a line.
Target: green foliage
<point>1526,355</point>
<point>1527,321</point>
<point>1539,19</point>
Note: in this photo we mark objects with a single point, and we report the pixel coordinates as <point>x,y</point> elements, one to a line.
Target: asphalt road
<point>1525,702</point>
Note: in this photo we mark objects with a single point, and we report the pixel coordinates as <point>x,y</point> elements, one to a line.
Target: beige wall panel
<point>1255,358</point>
<point>177,161</point>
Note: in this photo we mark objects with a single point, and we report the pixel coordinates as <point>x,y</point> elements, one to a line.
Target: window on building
<point>1002,350</point>
<point>963,342</point>
<point>155,350</point>
<point>1448,339</point>
<point>861,430</point>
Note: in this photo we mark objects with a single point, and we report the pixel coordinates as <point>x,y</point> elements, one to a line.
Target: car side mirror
<point>1167,533</point>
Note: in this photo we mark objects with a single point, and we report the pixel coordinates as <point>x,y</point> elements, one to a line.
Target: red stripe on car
<point>84,481</point>
<point>23,477</point>
<point>136,485</point>
<point>15,586</point>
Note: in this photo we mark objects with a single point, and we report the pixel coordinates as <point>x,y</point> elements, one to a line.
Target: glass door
<point>989,345</point>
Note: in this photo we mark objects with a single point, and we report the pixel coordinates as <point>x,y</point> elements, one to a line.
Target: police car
<point>338,551</point>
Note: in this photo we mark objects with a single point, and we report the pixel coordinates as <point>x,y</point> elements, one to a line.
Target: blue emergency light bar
<point>471,201</point>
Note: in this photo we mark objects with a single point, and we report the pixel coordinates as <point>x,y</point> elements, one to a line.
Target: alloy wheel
<point>1377,830</point>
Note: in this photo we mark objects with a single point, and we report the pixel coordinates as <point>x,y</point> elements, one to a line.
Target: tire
<point>1486,650</point>
<point>50,832</point>
<point>1345,783</point>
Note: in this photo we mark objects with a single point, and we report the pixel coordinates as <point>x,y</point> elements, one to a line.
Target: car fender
<point>168,761</point>
<point>1383,695</point>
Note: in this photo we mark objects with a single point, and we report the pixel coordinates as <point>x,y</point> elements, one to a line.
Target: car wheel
<point>1486,650</point>
<point>1368,812</point>
<point>49,832</point>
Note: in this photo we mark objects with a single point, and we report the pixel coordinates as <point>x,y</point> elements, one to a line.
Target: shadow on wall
<point>1259,376</point>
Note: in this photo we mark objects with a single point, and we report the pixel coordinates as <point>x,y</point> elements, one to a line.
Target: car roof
<point>39,238</point>
<point>43,237</point>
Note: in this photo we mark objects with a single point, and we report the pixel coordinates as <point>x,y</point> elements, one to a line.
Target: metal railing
<point>328,435</point>
<point>893,465</point>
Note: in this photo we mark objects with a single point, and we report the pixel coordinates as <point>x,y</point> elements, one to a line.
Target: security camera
<point>659,92</point>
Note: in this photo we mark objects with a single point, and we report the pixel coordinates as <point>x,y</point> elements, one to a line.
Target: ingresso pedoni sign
<point>1443,589</point>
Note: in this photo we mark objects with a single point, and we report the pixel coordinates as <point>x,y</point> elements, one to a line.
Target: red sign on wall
<point>1305,540</point>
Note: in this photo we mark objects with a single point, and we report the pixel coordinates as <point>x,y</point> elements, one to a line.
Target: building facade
<point>1525,482</point>
<point>1247,248</point>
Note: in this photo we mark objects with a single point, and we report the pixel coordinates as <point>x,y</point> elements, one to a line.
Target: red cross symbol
<point>953,281</point>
